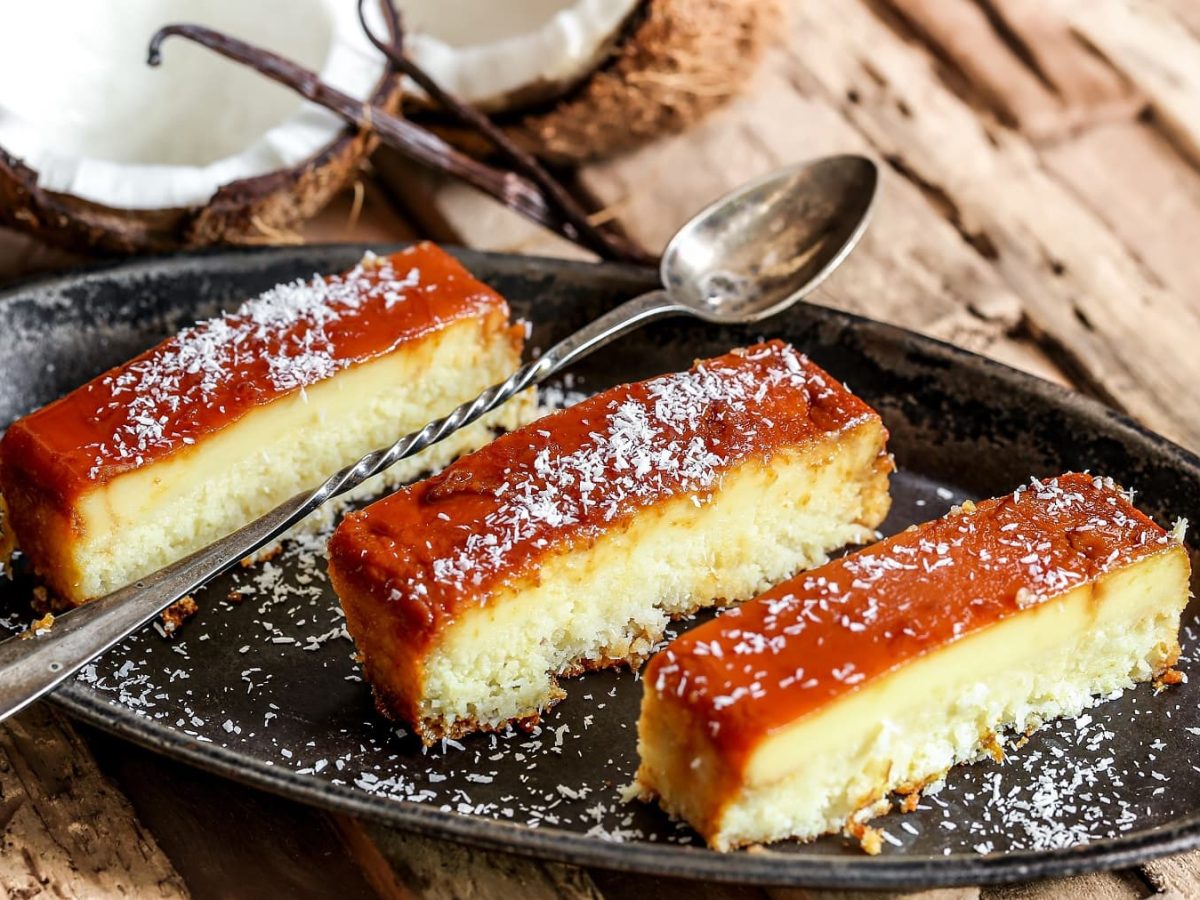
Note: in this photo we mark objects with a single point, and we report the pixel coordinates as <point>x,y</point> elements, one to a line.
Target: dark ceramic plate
<point>264,690</point>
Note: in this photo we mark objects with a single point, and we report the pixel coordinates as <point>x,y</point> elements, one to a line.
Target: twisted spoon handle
<point>31,668</point>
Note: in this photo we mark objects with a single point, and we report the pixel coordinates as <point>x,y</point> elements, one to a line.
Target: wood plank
<point>1176,875</point>
<point>958,31</point>
<point>1186,11</point>
<point>229,840</point>
<point>431,869</point>
<point>922,276</point>
<point>1156,53</point>
<point>627,886</point>
<point>913,268</point>
<point>375,867</point>
<point>1134,180</point>
<point>963,893</point>
<point>1042,36</point>
<point>67,831</point>
<point>1097,886</point>
<point>1086,297</point>
<point>363,213</point>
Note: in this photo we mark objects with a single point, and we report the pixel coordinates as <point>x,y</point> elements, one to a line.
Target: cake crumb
<point>39,626</point>
<point>910,802</point>
<point>634,791</point>
<point>177,613</point>
<point>869,839</point>
<point>991,744</point>
<point>264,555</point>
<point>1166,679</point>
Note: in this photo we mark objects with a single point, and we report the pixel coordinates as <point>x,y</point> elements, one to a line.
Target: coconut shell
<point>265,208</point>
<point>676,61</point>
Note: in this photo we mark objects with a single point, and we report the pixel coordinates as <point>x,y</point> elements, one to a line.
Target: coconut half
<point>575,80</point>
<point>503,56</point>
<point>100,151</point>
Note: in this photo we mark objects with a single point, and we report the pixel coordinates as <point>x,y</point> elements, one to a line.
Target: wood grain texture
<point>1177,875</point>
<point>1022,60</point>
<point>1186,11</point>
<point>1041,36</point>
<point>363,213</point>
<point>913,268</point>
<point>1097,886</point>
<point>1027,212</point>
<point>22,256</point>
<point>984,234</point>
<point>1084,294</point>
<point>961,35</point>
<point>438,870</point>
<point>1155,52</point>
<point>453,212</point>
<point>67,831</point>
<point>1133,179</point>
<point>965,893</point>
<point>627,886</point>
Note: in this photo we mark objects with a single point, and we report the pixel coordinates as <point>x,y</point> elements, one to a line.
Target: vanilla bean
<point>511,189</point>
<point>597,239</point>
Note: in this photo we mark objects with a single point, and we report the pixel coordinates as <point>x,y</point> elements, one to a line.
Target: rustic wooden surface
<point>1041,193</point>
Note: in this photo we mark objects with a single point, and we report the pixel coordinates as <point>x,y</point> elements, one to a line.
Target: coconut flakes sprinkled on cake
<point>640,450</point>
<point>286,327</point>
<point>844,594</point>
<point>1077,781</point>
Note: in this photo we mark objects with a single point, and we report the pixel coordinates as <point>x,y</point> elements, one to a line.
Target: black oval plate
<point>264,690</point>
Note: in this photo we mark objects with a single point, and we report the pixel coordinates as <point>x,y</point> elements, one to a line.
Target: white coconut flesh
<point>79,105</point>
<point>496,54</point>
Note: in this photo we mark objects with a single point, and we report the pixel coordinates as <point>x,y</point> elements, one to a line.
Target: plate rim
<point>664,859</point>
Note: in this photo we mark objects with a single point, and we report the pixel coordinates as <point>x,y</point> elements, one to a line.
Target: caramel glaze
<point>807,642</point>
<point>209,376</point>
<point>557,484</point>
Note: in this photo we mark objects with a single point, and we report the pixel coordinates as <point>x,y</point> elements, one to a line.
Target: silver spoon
<point>747,256</point>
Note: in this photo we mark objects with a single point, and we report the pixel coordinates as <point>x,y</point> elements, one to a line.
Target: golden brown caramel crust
<point>813,639</point>
<point>556,484</point>
<point>207,377</point>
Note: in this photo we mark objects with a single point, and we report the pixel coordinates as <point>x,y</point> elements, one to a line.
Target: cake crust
<point>214,426</point>
<point>726,704</point>
<point>175,394</point>
<point>447,541</point>
<point>539,505</point>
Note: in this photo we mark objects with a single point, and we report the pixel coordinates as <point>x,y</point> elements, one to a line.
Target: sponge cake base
<point>801,713</point>
<point>610,603</point>
<point>142,520</point>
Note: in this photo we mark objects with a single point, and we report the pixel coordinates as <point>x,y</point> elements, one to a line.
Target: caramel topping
<point>210,375</point>
<point>562,481</point>
<point>812,639</point>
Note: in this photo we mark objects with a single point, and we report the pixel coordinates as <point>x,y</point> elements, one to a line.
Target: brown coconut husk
<point>248,211</point>
<point>676,61</point>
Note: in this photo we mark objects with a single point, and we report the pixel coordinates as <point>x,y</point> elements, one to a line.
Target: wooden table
<point>1040,205</point>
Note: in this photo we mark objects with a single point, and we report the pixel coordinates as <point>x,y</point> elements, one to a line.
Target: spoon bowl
<point>758,250</point>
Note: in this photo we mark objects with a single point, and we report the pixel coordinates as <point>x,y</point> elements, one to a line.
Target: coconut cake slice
<point>799,713</point>
<point>218,424</point>
<point>569,544</point>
